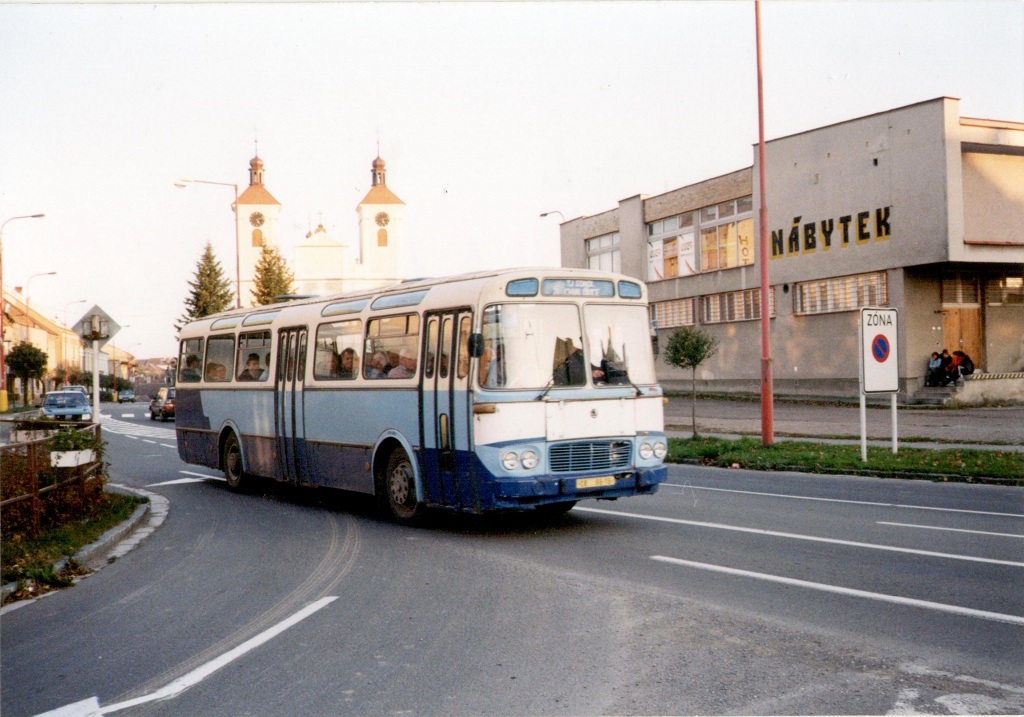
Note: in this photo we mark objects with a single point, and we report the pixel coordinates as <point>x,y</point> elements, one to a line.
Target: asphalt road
<point>903,597</point>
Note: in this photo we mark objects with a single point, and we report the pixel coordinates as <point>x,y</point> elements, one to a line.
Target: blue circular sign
<point>880,348</point>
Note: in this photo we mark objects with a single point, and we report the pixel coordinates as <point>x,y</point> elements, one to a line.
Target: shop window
<point>672,314</point>
<point>734,306</point>
<point>841,293</point>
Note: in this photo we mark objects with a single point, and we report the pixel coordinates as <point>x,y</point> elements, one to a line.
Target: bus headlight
<point>646,451</point>
<point>530,459</point>
<point>660,450</point>
<point>510,461</point>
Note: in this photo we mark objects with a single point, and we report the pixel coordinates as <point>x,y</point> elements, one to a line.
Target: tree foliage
<point>27,362</point>
<point>689,347</point>
<point>210,290</point>
<point>272,276</point>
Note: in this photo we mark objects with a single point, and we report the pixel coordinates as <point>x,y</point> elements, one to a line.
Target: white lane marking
<point>951,530</point>
<point>204,476</point>
<point>127,415</point>
<point>841,500</point>
<point>168,445</point>
<point>146,440</point>
<point>199,674</point>
<point>823,587</point>
<point>797,536</point>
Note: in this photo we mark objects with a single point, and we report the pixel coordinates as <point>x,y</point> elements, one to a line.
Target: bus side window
<point>336,352</point>
<point>253,347</point>
<point>220,358</point>
<point>391,346</point>
<point>190,361</point>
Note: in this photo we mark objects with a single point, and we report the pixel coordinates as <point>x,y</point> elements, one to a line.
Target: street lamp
<point>553,211</point>
<point>76,301</point>
<point>184,182</point>
<point>3,365</point>
<point>28,300</point>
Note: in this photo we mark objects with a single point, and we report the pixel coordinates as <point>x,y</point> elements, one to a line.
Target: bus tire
<point>398,494</point>
<point>232,462</point>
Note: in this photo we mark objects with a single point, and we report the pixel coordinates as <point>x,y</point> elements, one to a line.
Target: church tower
<point>259,218</point>
<point>380,229</point>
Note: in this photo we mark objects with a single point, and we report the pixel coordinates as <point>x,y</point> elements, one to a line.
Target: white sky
<point>487,113</point>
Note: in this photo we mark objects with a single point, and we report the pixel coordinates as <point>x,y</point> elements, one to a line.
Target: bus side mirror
<point>476,345</point>
<point>654,343</point>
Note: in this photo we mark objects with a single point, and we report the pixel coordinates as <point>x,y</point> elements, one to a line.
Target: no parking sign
<point>879,365</point>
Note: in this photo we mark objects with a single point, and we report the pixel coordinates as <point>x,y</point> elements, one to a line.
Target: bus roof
<point>483,278</point>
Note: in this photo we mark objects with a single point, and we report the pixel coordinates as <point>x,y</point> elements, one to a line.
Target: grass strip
<point>31,560</point>
<point>942,464</point>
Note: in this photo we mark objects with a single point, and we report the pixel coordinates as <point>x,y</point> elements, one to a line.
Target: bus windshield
<point>532,346</point>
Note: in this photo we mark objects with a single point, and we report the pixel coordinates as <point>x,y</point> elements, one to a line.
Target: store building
<point>917,209</point>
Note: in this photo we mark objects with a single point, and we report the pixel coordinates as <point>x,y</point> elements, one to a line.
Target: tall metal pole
<point>238,258</point>
<point>767,399</point>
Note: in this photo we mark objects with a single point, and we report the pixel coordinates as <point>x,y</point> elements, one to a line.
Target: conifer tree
<point>272,276</point>
<point>211,291</point>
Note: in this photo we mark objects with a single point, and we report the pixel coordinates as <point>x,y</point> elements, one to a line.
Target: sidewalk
<point>917,427</point>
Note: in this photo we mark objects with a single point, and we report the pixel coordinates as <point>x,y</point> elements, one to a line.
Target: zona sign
<point>879,364</point>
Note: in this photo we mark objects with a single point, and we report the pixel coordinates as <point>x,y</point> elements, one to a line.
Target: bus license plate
<point>599,482</point>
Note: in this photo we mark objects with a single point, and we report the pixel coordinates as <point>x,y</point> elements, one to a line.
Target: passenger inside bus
<point>190,374</point>
<point>348,365</point>
<point>252,371</point>
<point>406,364</point>
<point>216,372</point>
<point>375,368</point>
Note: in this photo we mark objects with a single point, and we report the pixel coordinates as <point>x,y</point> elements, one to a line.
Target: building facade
<point>63,347</point>
<point>917,209</point>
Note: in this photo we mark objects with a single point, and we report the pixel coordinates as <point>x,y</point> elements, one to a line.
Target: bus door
<point>288,403</point>
<point>445,417</point>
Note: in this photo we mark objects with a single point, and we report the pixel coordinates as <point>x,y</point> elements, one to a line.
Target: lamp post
<point>767,381</point>
<point>553,211</point>
<point>184,182</point>
<point>76,301</point>
<point>3,365</point>
<point>28,282</point>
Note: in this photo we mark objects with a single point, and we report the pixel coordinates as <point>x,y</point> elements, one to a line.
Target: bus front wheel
<point>232,461</point>
<point>399,489</point>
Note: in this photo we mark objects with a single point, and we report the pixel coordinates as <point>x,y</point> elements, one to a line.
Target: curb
<point>120,539</point>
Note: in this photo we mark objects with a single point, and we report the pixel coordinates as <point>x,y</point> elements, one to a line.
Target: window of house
<point>734,306</point>
<point>841,293</point>
<point>671,314</point>
<point>670,247</point>
<point>1005,291</point>
<point>604,254</point>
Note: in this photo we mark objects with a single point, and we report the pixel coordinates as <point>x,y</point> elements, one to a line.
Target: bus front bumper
<point>529,492</point>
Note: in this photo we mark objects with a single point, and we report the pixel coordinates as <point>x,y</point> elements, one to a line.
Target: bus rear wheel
<point>399,489</point>
<point>232,462</point>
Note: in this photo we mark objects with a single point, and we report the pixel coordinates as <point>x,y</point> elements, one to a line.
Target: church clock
<point>382,219</point>
<point>256,219</point>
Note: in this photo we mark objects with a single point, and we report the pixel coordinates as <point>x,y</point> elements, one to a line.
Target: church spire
<point>379,171</point>
<point>256,171</point>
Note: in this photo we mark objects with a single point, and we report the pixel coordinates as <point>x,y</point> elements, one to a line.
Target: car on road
<point>162,406</point>
<point>67,405</point>
<point>126,397</point>
<point>80,389</point>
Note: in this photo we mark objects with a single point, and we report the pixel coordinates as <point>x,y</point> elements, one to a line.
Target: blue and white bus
<point>489,391</point>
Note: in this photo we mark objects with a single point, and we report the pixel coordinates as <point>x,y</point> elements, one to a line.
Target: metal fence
<point>28,473</point>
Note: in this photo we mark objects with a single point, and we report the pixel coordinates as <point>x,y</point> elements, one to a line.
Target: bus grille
<point>590,456</point>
